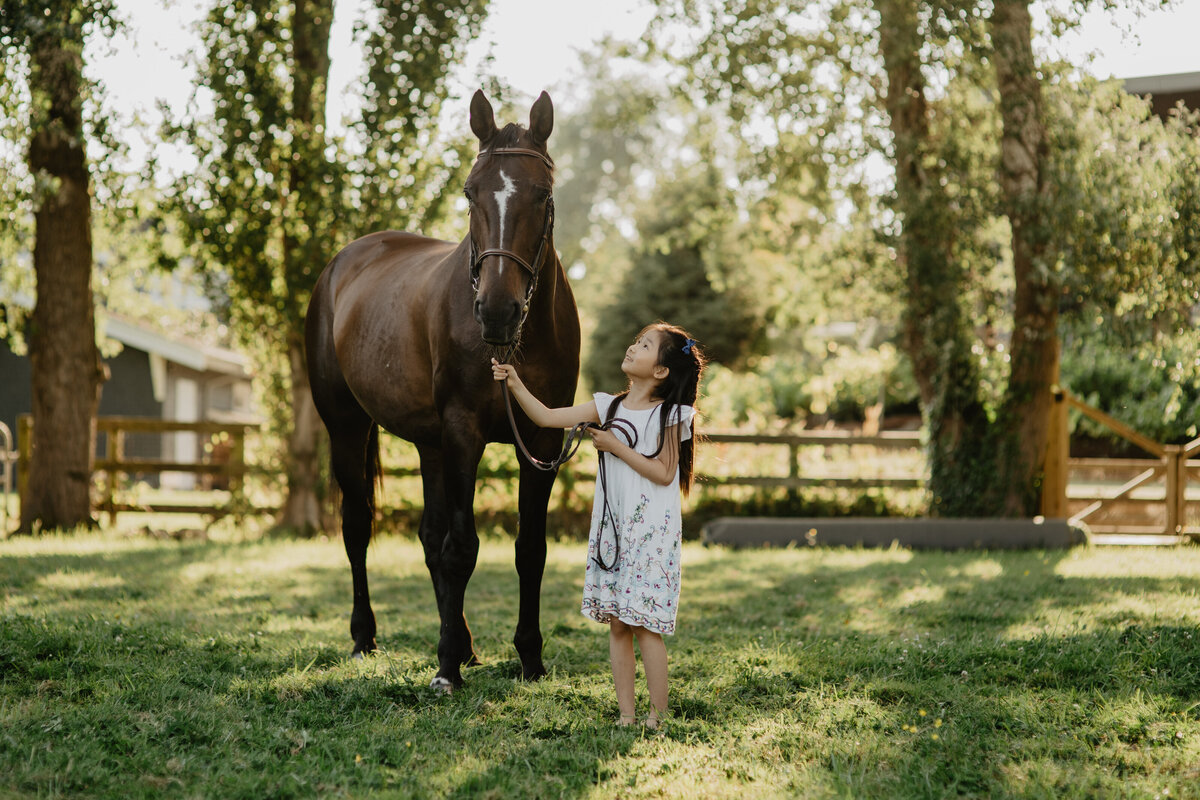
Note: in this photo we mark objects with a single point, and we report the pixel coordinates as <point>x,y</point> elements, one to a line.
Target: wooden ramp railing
<point>1168,464</point>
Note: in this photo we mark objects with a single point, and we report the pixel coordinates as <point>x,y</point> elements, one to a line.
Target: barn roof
<point>1165,91</point>
<point>193,355</point>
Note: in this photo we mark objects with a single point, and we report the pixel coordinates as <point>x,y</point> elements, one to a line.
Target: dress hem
<point>605,614</point>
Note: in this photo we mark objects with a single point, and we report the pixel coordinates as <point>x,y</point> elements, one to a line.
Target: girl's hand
<point>505,372</point>
<point>605,441</point>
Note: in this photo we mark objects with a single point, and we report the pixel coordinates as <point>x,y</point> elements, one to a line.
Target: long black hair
<point>684,360</point>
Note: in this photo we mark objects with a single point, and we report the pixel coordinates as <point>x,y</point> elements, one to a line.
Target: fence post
<point>24,457</point>
<point>1176,481</point>
<point>114,453</point>
<point>794,467</point>
<point>1058,453</point>
<point>237,470</point>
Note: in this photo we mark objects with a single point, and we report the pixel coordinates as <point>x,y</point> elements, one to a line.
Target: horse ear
<point>541,118</point>
<point>483,120</point>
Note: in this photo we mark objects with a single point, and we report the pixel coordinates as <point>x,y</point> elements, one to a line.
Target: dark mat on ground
<point>938,534</point>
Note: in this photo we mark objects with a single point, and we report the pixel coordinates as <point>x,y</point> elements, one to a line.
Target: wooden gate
<point>1150,501</point>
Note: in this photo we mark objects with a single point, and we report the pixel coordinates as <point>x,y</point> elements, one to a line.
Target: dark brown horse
<point>400,332</point>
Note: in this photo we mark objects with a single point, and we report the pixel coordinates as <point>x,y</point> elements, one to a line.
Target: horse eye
<point>467,193</point>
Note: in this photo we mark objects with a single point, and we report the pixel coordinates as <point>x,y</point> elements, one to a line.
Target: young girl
<point>644,436</point>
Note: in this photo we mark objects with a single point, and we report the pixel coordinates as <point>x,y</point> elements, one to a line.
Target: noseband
<point>534,268</point>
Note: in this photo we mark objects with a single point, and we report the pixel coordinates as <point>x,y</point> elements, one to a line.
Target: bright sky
<point>149,64</point>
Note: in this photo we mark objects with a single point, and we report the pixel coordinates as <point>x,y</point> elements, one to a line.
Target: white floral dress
<point>642,588</point>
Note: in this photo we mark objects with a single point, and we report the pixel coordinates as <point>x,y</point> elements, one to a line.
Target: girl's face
<point>641,359</point>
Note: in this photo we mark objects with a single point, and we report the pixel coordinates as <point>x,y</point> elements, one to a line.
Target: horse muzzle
<point>499,322</point>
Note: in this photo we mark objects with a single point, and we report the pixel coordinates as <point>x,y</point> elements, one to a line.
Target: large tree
<point>1023,170</point>
<point>67,372</point>
<point>936,332</point>
<point>276,194</point>
<point>830,80</point>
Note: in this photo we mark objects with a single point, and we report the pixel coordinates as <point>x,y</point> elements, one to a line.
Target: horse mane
<point>508,136</point>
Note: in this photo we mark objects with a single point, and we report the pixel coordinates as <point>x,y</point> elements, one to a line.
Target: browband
<point>516,151</point>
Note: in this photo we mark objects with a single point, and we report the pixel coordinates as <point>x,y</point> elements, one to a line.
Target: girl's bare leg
<point>620,653</point>
<point>654,661</point>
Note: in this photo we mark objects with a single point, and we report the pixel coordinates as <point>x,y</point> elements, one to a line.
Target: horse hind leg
<point>355,462</point>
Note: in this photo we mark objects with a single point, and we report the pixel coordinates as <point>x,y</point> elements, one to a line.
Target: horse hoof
<point>357,656</point>
<point>440,684</point>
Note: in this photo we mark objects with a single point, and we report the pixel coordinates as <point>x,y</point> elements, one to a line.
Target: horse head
<point>510,192</point>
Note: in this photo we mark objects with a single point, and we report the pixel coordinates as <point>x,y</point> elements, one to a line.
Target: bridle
<point>534,268</point>
<point>575,436</point>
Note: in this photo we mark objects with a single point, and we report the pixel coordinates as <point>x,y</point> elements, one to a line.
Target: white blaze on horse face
<point>502,196</point>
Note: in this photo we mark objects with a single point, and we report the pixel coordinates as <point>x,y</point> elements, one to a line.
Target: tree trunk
<point>66,366</point>
<point>306,240</point>
<point>936,334</point>
<point>302,507</point>
<point>1034,348</point>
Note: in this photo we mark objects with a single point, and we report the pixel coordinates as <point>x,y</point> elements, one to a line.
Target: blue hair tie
<point>687,348</point>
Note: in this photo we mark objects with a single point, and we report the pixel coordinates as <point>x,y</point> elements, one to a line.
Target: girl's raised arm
<point>566,417</point>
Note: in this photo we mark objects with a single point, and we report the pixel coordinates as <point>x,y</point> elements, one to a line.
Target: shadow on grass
<point>142,669</point>
<point>977,674</point>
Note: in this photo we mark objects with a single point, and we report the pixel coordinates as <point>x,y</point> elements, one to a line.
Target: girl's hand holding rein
<point>534,409</point>
<point>506,372</point>
<point>604,440</point>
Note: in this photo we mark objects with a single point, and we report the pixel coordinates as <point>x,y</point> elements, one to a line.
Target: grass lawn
<point>140,667</point>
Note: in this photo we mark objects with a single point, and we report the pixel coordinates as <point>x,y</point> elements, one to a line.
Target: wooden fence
<point>795,442</point>
<point>1065,494</point>
<point>114,463</point>
<point>109,468</point>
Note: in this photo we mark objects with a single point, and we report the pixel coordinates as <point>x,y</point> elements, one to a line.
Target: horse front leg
<point>531,565</point>
<point>435,526</point>
<point>459,553</point>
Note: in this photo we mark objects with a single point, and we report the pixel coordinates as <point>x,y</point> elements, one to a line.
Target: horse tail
<point>373,469</point>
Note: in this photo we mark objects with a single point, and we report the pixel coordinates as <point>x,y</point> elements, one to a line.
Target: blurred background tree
<point>45,94</point>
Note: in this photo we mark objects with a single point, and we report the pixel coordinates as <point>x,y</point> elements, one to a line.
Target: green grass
<point>138,667</point>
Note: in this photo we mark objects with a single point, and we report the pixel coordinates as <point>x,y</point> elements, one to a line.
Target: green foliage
<point>24,109</point>
<point>617,133</point>
<point>1154,388</point>
<point>1126,209</point>
<point>138,668</point>
<point>409,167</point>
<point>686,270</point>
<point>275,195</point>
